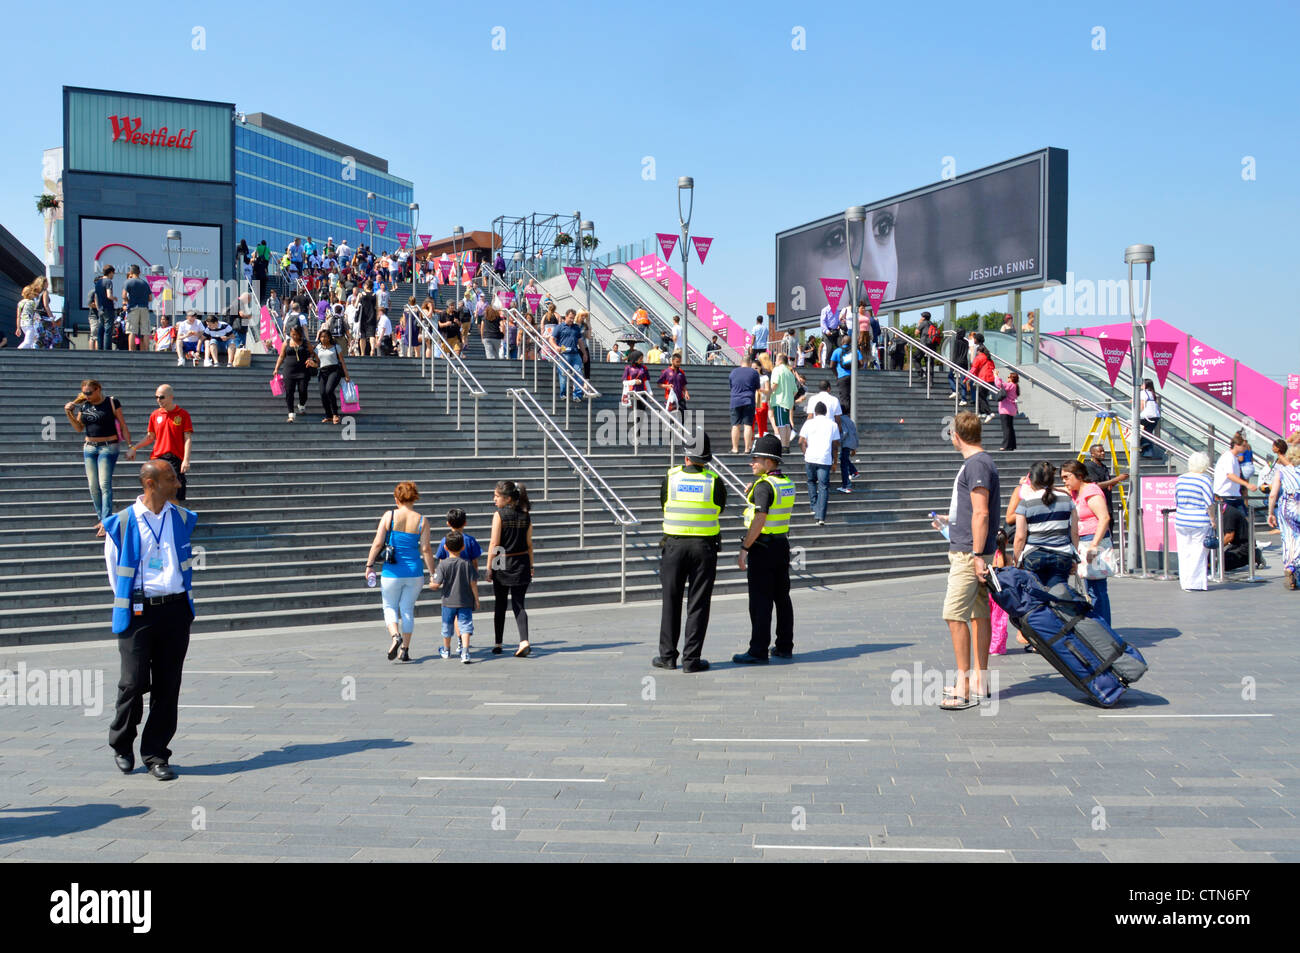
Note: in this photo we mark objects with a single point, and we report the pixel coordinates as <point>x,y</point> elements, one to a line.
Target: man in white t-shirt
<point>384,334</point>
<point>189,338</point>
<point>344,252</point>
<point>824,398</point>
<point>820,440</point>
<point>677,336</point>
<point>1228,482</point>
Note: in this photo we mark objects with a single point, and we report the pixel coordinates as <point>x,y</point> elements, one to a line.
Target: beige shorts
<point>137,321</point>
<point>967,597</point>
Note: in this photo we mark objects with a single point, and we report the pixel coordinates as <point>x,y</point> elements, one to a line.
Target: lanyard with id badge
<point>155,561</point>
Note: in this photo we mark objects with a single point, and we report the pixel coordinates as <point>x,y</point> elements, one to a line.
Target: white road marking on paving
<point>555,704</point>
<point>901,850</point>
<point>1185,716</point>
<point>791,741</point>
<point>214,706</point>
<point>551,780</point>
<point>247,672</point>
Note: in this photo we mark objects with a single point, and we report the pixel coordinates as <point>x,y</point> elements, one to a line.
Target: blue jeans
<point>464,619</point>
<point>1096,589</point>
<point>847,469</point>
<point>1050,568</point>
<point>107,325</point>
<point>819,482</point>
<point>575,361</point>
<point>100,459</point>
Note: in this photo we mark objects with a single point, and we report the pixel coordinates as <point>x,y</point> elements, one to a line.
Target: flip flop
<point>949,693</point>
<point>963,704</point>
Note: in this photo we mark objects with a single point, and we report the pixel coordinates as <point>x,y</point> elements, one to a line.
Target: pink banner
<point>667,243</point>
<point>834,288</point>
<point>1162,358</point>
<point>875,294</point>
<point>192,286</point>
<point>602,276</point>
<point>381,225</point>
<point>361,225</point>
<point>534,299</point>
<point>445,267</point>
<point>1157,495</point>
<point>1292,423</point>
<point>470,269</point>
<point>424,240</point>
<point>1113,353</point>
<point>573,273</point>
<point>403,238</point>
<point>270,333</point>
<point>653,269</point>
<point>507,297</point>
<point>1211,371</point>
<point>156,283</point>
<point>702,247</point>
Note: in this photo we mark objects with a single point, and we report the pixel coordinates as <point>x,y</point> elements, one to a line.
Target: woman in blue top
<point>1194,502</point>
<point>403,576</point>
<point>1284,511</point>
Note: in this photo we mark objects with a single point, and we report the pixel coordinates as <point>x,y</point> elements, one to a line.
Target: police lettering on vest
<point>689,509</point>
<point>778,514</point>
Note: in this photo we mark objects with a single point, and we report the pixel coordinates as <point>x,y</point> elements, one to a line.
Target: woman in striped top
<point>1047,529</point>
<point>1284,512</point>
<point>1194,500</point>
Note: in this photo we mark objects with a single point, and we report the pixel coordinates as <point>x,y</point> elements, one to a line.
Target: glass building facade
<point>299,186</point>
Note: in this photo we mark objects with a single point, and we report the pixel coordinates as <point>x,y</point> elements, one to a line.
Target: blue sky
<point>1157,124</point>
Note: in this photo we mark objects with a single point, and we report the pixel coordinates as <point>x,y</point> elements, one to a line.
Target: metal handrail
<point>657,321</point>
<point>914,343</point>
<point>678,429</point>
<point>465,377</point>
<point>572,293</point>
<point>730,354</point>
<point>581,466</point>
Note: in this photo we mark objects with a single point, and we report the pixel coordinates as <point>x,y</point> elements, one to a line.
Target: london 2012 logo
<point>127,129</point>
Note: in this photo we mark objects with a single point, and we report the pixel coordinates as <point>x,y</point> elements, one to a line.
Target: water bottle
<point>371,579</point>
<point>942,526</point>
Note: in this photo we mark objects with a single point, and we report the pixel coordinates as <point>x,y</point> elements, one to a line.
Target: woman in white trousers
<point>1194,499</point>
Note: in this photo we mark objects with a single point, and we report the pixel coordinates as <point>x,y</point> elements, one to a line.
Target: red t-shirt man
<point>169,431</point>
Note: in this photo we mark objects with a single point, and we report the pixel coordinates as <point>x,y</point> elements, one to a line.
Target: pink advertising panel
<point>507,297</point>
<point>1292,403</point>
<point>157,283</point>
<point>1210,370</point>
<point>1157,494</point>
<point>1261,398</point>
<point>653,268</point>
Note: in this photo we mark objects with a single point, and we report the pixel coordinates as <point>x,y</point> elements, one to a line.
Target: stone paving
<point>326,751</point>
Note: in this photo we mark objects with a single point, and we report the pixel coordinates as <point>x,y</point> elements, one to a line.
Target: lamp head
<point>414,206</point>
<point>685,182</point>
<point>370,195</point>
<point>173,235</point>
<point>457,232</point>
<point>1139,254</point>
<point>587,226</point>
<point>518,256</point>
<point>856,213</point>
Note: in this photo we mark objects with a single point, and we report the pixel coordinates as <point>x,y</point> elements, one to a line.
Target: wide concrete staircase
<point>287,511</point>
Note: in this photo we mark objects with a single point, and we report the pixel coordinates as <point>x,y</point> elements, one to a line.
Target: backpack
<point>933,336</point>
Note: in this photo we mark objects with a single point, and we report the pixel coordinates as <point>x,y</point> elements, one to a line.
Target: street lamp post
<point>685,184</point>
<point>174,270</point>
<point>370,219</point>
<point>856,214</point>
<point>457,245</point>
<point>585,253</point>
<point>414,240</point>
<point>1137,255</point>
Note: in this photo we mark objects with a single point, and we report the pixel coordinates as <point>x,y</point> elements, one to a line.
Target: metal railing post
<point>1164,562</point>
<point>589,413</point>
<point>1218,528</point>
<point>446,386</point>
<point>910,368</point>
<point>582,515</point>
<point>622,563</point>
<point>1250,539</point>
<point>555,375</point>
<point>458,405</point>
<point>476,425</point>
<point>546,469</point>
<point>1119,537</point>
<point>514,428</point>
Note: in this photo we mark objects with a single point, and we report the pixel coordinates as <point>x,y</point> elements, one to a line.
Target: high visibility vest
<point>778,514</point>
<point>689,509</point>
<point>124,528</point>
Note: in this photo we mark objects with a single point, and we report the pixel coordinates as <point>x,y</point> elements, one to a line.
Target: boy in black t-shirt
<point>458,580</point>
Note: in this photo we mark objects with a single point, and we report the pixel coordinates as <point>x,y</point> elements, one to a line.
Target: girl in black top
<point>510,560</point>
<point>296,356</point>
<point>100,419</point>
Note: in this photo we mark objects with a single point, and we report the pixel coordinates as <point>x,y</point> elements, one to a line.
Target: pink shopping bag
<point>277,385</point>
<point>998,621</point>
<point>350,398</point>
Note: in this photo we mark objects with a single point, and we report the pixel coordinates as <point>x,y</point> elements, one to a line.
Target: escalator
<point>654,299</point>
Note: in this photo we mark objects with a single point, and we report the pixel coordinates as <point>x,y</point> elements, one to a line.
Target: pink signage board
<point>156,283</point>
<point>1292,404</point>
<point>1157,494</point>
<point>653,268</point>
<point>507,297</point>
<point>1260,398</point>
<point>1211,370</point>
<point>193,286</point>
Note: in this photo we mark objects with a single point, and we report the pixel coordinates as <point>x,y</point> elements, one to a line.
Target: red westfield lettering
<point>127,129</point>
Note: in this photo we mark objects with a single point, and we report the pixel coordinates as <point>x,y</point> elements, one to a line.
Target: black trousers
<point>1008,431</point>
<point>329,389</point>
<point>686,561</point>
<point>768,573</point>
<point>152,650</point>
<point>295,385</point>
<point>844,386</point>
<point>514,595</point>
<point>175,461</point>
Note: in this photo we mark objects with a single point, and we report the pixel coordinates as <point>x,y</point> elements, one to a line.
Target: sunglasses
<point>159,396</point>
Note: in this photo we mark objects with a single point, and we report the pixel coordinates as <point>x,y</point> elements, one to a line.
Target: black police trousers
<point>768,573</point>
<point>686,561</point>
<point>153,651</point>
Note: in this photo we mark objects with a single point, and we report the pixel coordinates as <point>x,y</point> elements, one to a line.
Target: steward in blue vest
<point>147,551</point>
<point>765,554</point>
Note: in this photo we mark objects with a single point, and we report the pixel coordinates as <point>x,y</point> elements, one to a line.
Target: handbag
<point>1211,542</point>
<point>277,385</point>
<point>1103,565</point>
<point>389,553</point>
<point>350,402</point>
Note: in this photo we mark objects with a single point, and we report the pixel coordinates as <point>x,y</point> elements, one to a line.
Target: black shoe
<point>405,656</point>
<point>125,762</point>
<point>658,662</point>
<point>392,649</point>
<point>496,650</point>
<point>776,653</point>
<point>747,659</point>
<point>162,771</point>
<point>699,665</point>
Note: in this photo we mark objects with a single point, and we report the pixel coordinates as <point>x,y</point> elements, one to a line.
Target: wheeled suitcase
<point>1061,625</point>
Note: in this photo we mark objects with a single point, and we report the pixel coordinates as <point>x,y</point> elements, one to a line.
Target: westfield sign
<point>127,129</point>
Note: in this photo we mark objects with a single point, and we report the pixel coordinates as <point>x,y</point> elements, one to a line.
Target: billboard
<point>106,241</point>
<point>994,229</point>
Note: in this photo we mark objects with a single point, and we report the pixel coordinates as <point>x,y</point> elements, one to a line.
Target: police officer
<point>147,550</point>
<point>692,497</point>
<point>765,554</point>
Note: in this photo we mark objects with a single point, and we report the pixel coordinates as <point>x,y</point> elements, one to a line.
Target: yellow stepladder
<point>1108,430</point>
